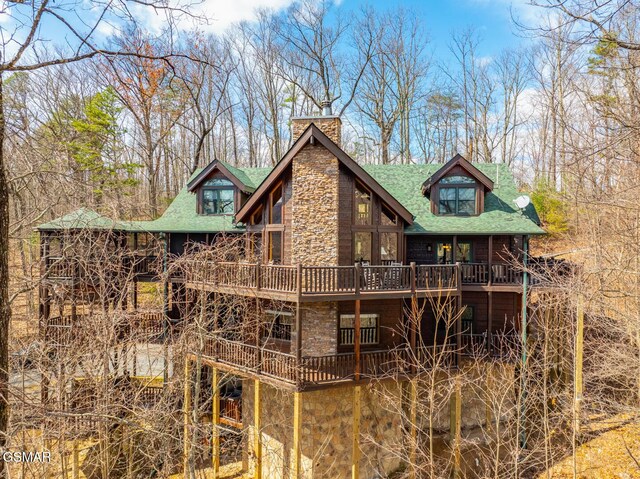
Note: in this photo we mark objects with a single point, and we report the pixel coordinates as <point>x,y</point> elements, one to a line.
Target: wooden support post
<point>413,427</point>
<point>459,317</point>
<point>215,422</point>
<point>490,266</point>
<point>489,320</point>
<point>257,433</point>
<point>297,435</point>
<point>455,427</point>
<point>355,455</point>
<point>187,419</point>
<point>577,388</point>
<point>298,322</point>
<point>356,339</point>
<point>75,460</point>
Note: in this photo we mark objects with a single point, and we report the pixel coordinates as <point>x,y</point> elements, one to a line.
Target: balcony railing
<point>65,268</point>
<point>145,326</point>
<point>331,368</point>
<point>316,281</point>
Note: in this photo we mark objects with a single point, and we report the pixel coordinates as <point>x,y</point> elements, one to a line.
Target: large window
<point>463,254</point>
<point>368,329</point>
<point>275,247</point>
<point>217,197</point>
<point>363,206</point>
<point>362,246</point>
<point>388,247</point>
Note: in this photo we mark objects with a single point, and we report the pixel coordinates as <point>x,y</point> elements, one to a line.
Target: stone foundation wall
<point>327,424</point>
<point>327,421</point>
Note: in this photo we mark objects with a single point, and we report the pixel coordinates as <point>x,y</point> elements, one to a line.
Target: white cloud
<point>218,15</point>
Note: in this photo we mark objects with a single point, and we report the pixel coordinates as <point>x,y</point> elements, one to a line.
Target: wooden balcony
<point>315,371</point>
<point>323,283</point>
<point>63,331</point>
<point>62,268</point>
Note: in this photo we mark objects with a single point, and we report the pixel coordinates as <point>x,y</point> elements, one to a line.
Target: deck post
<point>455,426</point>
<point>490,261</point>
<point>356,340</point>
<point>413,426</point>
<point>297,434</point>
<point>187,418</point>
<point>298,317</point>
<point>257,433</point>
<point>489,320</point>
<point>75,460</point>
<point>215,421</point>
<point>355,455</point>
<point>488,413</point>
<point>459,316</point>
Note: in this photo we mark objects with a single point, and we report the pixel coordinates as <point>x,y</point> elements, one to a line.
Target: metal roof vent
<point>326,108</point>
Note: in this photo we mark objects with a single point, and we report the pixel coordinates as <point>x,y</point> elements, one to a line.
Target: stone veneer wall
<point>327,422</point>
<point>329,125</point>
<point>319,329</point>
<point>315,207</point>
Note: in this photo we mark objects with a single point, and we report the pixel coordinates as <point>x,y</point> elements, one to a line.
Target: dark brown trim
<point>210,168</point>
<point>457,160</point>
<point>313,131</point>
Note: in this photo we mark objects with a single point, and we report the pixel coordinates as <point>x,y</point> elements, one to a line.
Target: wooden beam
<point>75,460</point>
<point>297,435</point>
<point>455,427</point>
<point>489,319</point>
<point>187,419</point>
<point>299,314</point>
<point>257,433</point>
<point>355,454</point>
<point>356,339</point>
<point>215,422</point>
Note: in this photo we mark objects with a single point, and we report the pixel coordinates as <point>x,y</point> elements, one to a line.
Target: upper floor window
<point>457,200</point>
<point>275,207</point>
<point>217,197</point>
<point>363,206</point>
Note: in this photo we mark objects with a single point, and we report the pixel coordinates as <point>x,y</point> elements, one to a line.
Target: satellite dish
<point>522,201</point>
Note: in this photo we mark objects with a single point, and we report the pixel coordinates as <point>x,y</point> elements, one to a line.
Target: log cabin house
<point>341,256</point>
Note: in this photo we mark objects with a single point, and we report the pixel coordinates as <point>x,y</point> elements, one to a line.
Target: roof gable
<point>462,162</point>
<point>235,175</point>
<point>311,134</point>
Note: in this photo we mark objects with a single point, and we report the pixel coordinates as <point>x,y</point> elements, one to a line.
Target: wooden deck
<point>314,371</point>
<point>323,283</point>
<point>63,268</point>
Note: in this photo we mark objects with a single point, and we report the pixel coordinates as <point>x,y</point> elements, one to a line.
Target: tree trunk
<point>5,310</point>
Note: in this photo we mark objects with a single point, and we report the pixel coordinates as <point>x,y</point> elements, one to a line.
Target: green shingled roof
<point>182,215</point>
<point>87,218</point>
<point>500,216</point>
<point>404,182</point>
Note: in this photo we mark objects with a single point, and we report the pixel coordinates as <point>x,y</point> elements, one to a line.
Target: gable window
<point>275,210</point>
<point>368,329</point>
<point>388,217</point>
<point>280,325</point>
<point>457,200</point>
<point>363,206</point>
<point>217,197</point>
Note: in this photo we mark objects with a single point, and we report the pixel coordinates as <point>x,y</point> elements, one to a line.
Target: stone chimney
<point>328,123</point>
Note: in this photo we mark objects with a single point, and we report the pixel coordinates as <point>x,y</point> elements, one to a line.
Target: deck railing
<point>64,267</point>
<point>231,411</point>
<point>324,280</point>
<point>497,345</point>
<point>146,326</point>
<point>328,368</point>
